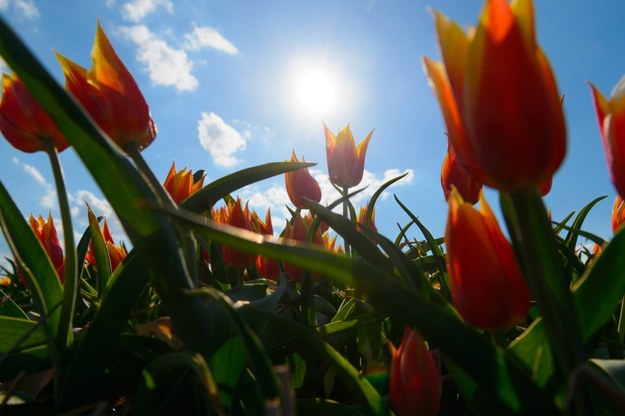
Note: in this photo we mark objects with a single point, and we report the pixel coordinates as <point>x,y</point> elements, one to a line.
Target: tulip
<point>618,213</point>
<point>23,122</point>
<point>361,222</point>
<point>46,233</point>
<point>453,174</point>
<point>611,116</point>
<point>180,185</point>
<point>415,379</point>
<point>117,252</point>
<point>236,216</point>
<point>297,230</point>
<point>487,286</point>
<point>300,185</point>
<point>267,268</point>
<point>346,162</point>
<point>499,98</point>
<point>110,95</point>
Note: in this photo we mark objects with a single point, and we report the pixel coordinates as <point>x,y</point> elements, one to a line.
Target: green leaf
<point>9,308</point>
<point>19,334</point>
<point>206,197</point>
<point>38,270</point>
<point>100,251</point>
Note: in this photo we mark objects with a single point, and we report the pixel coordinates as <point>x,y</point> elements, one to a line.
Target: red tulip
<point>415,379</point>
<point>346,162</point>
<point>23,122</point>
<point>110,95</point>
<point>180,185</point>
<point>453,174</point>
<point>236,216</point>
<point>611,115</point>
<point>499,98</point>
<point>487,286</point>
<point>297,230</point>
<point>618,213</point>
<point>267,268</point>
<point>117,252</point>
<point>300,185</point>
<point>46,233</point>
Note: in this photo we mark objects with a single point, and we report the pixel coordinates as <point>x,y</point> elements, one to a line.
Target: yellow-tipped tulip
<point>611,115</point>
<point>110,95</point>
<point>499,98</point>
<point>346,161</point>
<point>487,287</point>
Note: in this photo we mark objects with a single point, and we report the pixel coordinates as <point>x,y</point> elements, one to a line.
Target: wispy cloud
<point>100,207</point>
<point>25,9</point>
<point>136,10</point>
<point>48,199</point>
<point>207,37</point>
<point>219,139</point>
<point>167,66</point>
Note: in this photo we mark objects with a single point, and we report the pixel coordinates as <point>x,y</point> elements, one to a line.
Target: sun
<point>315,90</point>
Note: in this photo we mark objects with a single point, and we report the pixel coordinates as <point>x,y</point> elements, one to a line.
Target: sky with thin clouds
<point>229,87</point>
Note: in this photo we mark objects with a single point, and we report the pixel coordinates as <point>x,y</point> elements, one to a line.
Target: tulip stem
<point>344,194</point>
<point>135,154</point>
<point>538,257</point>
<point>70,275</point>
<point>621,321</point>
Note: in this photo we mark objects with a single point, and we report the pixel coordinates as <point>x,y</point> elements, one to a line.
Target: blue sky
<point>222,79</point>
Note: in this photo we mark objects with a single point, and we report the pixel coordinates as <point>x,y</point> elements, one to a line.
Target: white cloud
<point>137,9</point>
<point>26,8</point>
<point>100,207</point>
<point>207,37</point>
<point>166,66</point>
<point>4,68</point>
<point>220,139</point>
<point>34,173</point>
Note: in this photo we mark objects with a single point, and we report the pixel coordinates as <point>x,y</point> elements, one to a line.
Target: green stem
<point>538,257</point>
<point>65,336</point>
<point>152,181</point>
<point>345,214</point>
<point>621,321</point>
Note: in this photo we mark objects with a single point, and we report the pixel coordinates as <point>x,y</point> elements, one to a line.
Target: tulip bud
<point>300,185</point>
<point>23,122</point>
<point>346,162</point>
<point>46,233</point>
<point>180,185</point>
<point>415,379</point>
<point>453,174</point>
<point>487,286</point>
<point>110,95</point>
<point>117,252</point>
<point>267,268</point>
<point>611,117</point>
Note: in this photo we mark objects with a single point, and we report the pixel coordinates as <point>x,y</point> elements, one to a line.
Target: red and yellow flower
<point>117,252</point>
<point>181,184</point>
<point>297,230</point>
<point>346,161</point>
<point>23,122</point>
<point>415,379</point>
<point>499,98</point>
<point>487,286</point>
<point>46,233</point>
<point>110,95</point>
<point>267,268</point>
<point>618,213</point>
<point>611,116</point>
<point>300,185</point>
<point>233,214</point>
<point>453,174</point>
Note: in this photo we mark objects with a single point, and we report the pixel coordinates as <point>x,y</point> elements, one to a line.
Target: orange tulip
<point>297,230</point>
<point>453,174</point>
<point>487,286</point>
<point>117,252</point>
<point>110,95</point>
<point>415,379</point>
<point>346,162</point>
<point>235,215</point>
<point>267,268</point>
<point>611,115</point>
<point>499,98</point>
<point>361,221</point>
<point>180,185</point>
<point>23,122</point>
<point>300,185</point>
<point>618,213</point>
<point>46,233</point>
